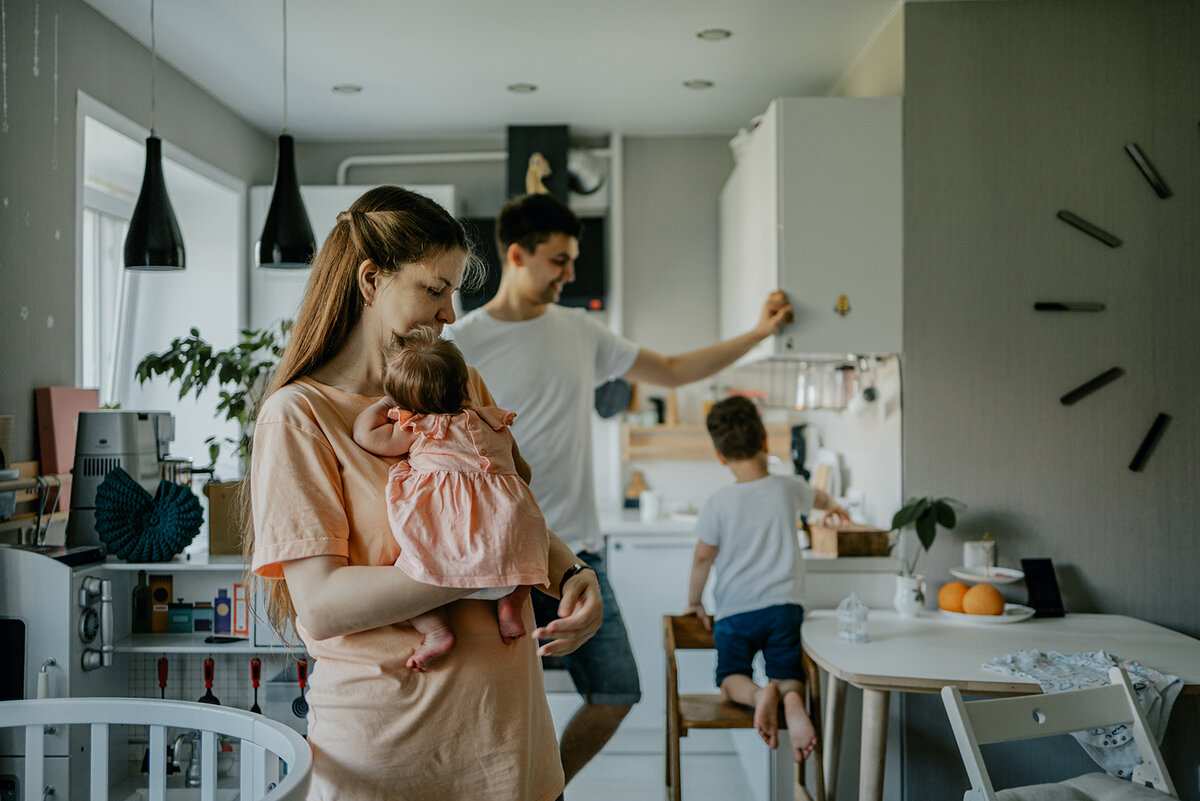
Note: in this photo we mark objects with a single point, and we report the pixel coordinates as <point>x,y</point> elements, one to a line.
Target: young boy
<point>748,530</point>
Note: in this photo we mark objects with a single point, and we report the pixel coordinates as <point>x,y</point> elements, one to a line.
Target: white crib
<point>264,744</point>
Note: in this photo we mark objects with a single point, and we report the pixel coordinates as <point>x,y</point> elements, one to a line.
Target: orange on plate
<point>950,596</point>
<point>983,599</point>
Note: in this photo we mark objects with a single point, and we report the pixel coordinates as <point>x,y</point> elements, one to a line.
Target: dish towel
<point>1113,747</point>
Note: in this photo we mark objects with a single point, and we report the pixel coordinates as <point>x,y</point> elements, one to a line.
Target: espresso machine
<point>106,439</point>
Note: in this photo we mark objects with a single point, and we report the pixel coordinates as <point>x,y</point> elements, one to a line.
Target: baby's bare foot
<point>801,733</point>
<point>766,714</point>
<point>512,624</point>
<point>437,644</point>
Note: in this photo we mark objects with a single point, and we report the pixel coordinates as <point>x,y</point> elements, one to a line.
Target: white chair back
<point>1029,717</point>
<point>264,744</point>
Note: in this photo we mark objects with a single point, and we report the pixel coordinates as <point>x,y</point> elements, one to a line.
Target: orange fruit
<point>983,599</point>
<point>950,596</point>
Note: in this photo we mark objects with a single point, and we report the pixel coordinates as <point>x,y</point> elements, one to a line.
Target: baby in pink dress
<point>459,504</point>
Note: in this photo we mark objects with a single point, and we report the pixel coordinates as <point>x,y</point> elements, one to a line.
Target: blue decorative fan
<point>140,527</point>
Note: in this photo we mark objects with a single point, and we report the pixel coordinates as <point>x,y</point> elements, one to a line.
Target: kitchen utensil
<point>255,675</point>
<point>300,705</point>
<point>208,697</point>
<point>162,677</point>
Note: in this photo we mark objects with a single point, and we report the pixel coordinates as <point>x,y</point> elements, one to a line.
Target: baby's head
<point>424,373</point>
<point>736,429</point>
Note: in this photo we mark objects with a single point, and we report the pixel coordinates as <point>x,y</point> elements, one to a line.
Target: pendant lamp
<point>153,241</point>
<point>287,240</point>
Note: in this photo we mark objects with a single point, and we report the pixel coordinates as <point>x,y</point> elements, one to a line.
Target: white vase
<point>910,595</point>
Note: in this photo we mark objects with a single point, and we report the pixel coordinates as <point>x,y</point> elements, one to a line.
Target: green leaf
<point>946,517</point>
<point>926,530</point>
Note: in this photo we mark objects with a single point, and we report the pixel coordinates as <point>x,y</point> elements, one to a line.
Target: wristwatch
<point>571,571</point>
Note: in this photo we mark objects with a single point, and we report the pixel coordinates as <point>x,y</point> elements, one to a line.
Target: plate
<point>1013,613</point>
<point>996,575</point>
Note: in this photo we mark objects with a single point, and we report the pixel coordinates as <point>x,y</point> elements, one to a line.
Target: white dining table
<point>931,651</point>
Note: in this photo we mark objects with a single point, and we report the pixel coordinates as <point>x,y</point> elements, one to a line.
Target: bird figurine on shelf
<point>140,527</point>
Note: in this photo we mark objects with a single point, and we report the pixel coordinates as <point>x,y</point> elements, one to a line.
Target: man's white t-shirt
<point>546,370</point>
<point>759,563</point>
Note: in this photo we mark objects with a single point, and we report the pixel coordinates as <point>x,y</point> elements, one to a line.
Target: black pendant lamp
<point>153,241</point>
<point>287,240</point>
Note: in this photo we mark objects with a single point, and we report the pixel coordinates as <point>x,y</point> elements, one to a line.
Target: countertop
<point>628,522</point>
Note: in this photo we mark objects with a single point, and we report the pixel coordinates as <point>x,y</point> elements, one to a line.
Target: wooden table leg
<point>835,709</point>
<point>874,744</point>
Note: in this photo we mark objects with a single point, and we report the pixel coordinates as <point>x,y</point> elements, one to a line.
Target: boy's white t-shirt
<point>759,563</point>
<point>547,370</point>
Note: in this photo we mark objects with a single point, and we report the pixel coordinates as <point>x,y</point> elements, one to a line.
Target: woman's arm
<point>333,598</point>
<point>375,432</point>
<point>580,609</point>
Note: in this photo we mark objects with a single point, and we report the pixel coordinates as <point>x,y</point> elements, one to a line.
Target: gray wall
<point>37,268</point>
<point>1014,110</point>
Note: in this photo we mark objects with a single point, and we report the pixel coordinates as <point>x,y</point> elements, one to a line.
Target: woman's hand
<point>579,616</point>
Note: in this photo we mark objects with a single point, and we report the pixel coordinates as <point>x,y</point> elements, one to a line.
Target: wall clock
<point>1152,176</point>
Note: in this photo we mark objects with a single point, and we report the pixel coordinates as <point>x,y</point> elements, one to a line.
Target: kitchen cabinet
<point>690,441</point>
<point>813,207</point>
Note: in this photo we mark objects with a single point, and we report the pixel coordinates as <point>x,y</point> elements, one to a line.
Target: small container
<point>222,612</point>
<point>179,617</point>
<point>202,617</point>
<point>852,619</point>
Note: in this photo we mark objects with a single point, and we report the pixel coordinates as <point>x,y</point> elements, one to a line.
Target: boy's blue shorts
<point>774,630</point>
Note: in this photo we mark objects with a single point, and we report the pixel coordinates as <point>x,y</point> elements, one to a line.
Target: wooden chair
<point>1026,717</point>
<point>712,711</point>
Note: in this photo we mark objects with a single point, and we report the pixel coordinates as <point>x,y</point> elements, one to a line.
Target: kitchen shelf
<point>192,644</point>
<point>202,561</point>
<point>689,442</point>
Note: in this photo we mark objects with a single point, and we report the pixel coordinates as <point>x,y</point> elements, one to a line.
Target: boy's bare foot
<point>801,733</point>
<point>512,624</point>
<point>437,644</point>
<point>766,714</point>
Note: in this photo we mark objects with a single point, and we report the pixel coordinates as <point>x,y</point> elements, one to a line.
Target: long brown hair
<point>392,227</point>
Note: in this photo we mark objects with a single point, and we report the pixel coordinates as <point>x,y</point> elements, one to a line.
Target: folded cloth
<point>1112,747</point>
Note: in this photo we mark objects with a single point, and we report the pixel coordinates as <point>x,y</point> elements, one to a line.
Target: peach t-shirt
<point>477,726</point>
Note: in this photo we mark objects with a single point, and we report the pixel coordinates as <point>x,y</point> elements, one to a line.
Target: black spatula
<point>255,675</point>
<point>208,697</point>
<point>299,704</point>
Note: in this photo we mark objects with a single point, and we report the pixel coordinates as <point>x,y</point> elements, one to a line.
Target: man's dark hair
<point>736,429</point>
<point>529,220</point>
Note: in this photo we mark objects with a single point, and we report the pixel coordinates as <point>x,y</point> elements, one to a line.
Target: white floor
<point>630,768</point>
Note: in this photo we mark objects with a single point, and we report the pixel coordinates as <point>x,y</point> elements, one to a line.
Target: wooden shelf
<point>689,442</point>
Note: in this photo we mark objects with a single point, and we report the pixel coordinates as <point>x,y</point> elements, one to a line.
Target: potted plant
<point>240,373</point>
<point>925,515</point>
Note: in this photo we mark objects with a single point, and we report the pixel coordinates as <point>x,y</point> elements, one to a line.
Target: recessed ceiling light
<point>521,88</point>
<point>698,83</point>
<point>347,89</point>
<point>713,34</point>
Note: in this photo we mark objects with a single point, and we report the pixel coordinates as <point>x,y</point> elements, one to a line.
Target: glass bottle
<point>140,606</point>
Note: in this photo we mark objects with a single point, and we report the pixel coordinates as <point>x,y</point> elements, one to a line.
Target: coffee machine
<point>137,442</point>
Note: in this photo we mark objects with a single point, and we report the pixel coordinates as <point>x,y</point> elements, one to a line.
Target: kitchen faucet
<point>192,778</point>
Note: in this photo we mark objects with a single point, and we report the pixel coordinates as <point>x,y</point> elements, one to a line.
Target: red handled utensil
<point>162,677</point>
<point>255,675</point>
<point>208,697</point>
<point>299,704</point>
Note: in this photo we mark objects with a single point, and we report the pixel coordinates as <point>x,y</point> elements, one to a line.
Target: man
<point>544,362</point>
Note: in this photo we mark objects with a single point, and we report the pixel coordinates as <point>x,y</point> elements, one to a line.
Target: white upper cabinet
<point>813,207</point>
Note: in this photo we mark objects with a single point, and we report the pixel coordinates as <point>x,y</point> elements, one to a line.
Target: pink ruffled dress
<point>459,511</point>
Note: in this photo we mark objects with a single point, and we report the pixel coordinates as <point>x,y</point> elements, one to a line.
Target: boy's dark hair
<point>529,220</point>
<point>736,429</point>
<point>424,373</point>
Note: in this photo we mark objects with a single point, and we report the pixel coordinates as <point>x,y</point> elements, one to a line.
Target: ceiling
<point>440,68</point>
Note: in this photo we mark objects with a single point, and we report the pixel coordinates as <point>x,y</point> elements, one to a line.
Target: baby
<point>459,505</point>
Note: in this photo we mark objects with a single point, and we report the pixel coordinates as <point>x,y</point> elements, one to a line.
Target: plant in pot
<point>240,373</point>
<point>924,515</point>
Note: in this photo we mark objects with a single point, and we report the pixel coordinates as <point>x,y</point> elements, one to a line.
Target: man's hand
<point>698,611</point>
<point>580,613</point>
<point>776,313</point>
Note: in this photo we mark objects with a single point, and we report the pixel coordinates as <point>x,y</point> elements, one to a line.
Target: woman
<point>478,726</point>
